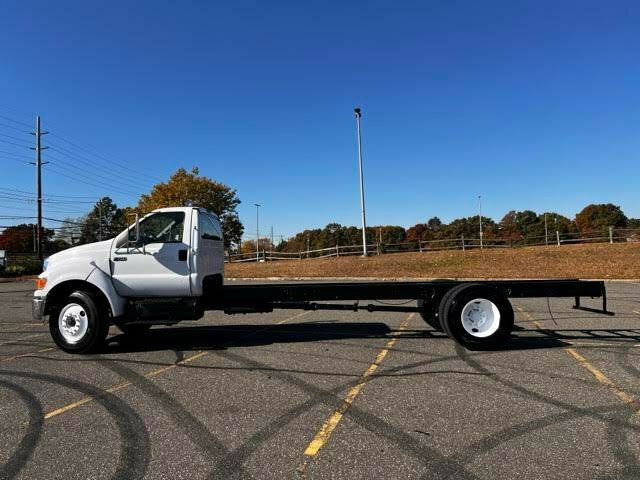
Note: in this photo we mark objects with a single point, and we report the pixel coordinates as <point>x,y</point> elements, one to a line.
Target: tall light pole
<point>257,231</point>
<point>480,217</point>
<point>364,221</point>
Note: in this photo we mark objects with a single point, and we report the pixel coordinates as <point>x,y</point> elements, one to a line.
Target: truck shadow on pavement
<point>222,337</point>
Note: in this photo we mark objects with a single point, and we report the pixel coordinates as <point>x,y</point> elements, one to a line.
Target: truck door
<point>158,264</point>
<point>209,245</point>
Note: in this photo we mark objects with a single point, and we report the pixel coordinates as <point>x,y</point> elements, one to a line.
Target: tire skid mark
<point>620,447</point>
<point>25,447</point>
<point>194,429</point>
<point>577,411</point>
<point>439,466</point>
<point>496,439</point>
<point>18,341</point>
<point>134,437</point>
<point>25,354</point>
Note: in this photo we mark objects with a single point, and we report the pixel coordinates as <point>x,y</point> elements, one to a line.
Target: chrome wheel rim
<point>73,323</point>
<point>480,318</point>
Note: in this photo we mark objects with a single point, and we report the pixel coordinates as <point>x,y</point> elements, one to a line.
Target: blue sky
<point>534,105</point>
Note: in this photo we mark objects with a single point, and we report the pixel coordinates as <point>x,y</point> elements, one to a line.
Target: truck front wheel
<point>77,325</point>
<point>477,316</point>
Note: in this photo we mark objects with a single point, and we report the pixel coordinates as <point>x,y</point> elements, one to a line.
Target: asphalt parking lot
<point>326,395</point>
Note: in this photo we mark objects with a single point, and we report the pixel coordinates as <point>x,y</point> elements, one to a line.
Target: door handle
<point>182,255</point>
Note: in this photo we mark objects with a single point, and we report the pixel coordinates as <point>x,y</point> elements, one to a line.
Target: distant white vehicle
<point>169,266</point>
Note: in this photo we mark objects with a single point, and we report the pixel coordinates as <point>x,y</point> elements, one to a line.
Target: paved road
<point>326,395</point>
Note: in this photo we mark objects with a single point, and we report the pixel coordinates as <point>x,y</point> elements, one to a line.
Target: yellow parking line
<point>151,374</point>
<point>601,377</point>
<point>529,317</point>
<point>333,420</point>
<point>26,354</point>
<point>604,380</point>
<point>120,386</point>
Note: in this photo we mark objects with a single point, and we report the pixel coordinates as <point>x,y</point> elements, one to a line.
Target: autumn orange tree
<point>191,189</point>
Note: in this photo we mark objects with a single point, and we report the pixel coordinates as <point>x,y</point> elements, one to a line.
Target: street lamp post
<point>364,222</point>
<point>257,231</point>
<point>480,217</point>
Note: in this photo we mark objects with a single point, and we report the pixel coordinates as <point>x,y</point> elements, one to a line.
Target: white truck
<point>169,267</point>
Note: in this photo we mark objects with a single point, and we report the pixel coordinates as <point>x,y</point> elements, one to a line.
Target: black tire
<point>482,327</point>
<point>429,313</point>
<point>442,311</point>
<point>79,305</point>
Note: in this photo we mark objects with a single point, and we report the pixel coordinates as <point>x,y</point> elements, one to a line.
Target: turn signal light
<point>40,283</point>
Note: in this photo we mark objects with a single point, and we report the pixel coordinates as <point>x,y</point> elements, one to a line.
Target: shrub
<point>28,267</point>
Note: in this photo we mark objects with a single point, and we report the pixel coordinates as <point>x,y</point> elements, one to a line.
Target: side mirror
<point>137,229</point>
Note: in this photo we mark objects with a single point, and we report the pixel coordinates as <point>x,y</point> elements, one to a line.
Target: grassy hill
<point>617,261</point>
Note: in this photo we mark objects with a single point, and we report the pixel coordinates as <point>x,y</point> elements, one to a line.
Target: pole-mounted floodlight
<point>480,217</point>
<point>364,222</point>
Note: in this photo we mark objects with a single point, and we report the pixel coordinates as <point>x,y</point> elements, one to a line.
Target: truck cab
<point>157,268</point>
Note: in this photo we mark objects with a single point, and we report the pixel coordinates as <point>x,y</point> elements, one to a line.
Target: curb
<point>17,279</point>
<point>417,279</point>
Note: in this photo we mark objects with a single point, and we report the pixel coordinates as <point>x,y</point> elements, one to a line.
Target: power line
<point>105,171</point>
<point>13,154</point>
<point>15,121</point>
<point>13,159</point>
<point>55,172</point>
<point>49,195</point>
<point>13,128</point>
<point>14,144</point>
<point>109,161</point>
<point>11,137</point>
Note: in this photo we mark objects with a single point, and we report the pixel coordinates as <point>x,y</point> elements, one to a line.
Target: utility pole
<point>257,231</point>
<point>364,222</point>
<point>546,231</point>
<point>271,247</point>
<point>480,217</point>
<point>38,163</point>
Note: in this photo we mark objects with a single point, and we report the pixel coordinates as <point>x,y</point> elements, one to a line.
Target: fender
<point>81,270</point>
<point>102,280</point>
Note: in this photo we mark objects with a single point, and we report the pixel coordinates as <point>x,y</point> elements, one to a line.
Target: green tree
<point>470,228</point>
<point>69,230</point>
<point>600,216</point>
<point>104,221</point>
<point>191,189</point>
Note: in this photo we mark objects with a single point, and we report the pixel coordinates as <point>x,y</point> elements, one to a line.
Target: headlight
<point>45,264</point>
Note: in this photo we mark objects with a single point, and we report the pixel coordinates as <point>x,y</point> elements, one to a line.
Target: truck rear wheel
<point>476,316</point>
<point>77,325</point>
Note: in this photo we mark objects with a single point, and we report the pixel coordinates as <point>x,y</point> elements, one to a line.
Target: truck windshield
<point>162,227</point>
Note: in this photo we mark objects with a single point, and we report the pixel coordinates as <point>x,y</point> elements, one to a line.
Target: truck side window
<point>163,227</point>
<point>208,229</point>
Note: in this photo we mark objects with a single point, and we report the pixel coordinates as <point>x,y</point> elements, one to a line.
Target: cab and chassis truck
<point>169,267</point>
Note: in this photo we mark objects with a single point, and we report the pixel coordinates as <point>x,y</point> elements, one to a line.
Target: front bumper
<point>37,308</point>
